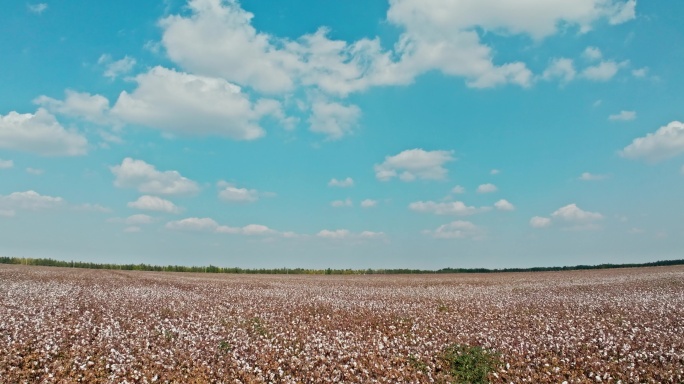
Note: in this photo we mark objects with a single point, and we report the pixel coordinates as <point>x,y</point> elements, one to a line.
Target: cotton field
<point>60,325</point>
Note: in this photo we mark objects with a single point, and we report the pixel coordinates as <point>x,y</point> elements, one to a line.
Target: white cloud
<point>414,164</point>
<point>504,205</point>
<point>369,203</point>
<point>6,164</point>
<point>623,116</point>
<point>88,207</point>
<point>7,213</point>
<point>39,133</point>
<point>344,234</point>
<point>37,8</point>
<point>233,194</point>
<point>146,179</point>
<point>640,72</point>
<point>114,69</point>
<point>35,171</point>
<point>458,189</point>
<point>592,54</point>
<point>456,230</point>
<point>486,188</point>
<point>29,200</point>
<point>252,230</point>
<point>93,108</point>
<point>540,222</point>
<point>348,182</point>
<point>666,142</point>
<point>333,119</point>
<point>447,208</point>
<point>154,203</point>
<point>193,224</point>
<point>572,213</point>
<point>342,203</point>
<point>139,219</point>
<point>494,172</point>
<point>560,68</point>
<point>187,104</point>
<point>586,176</point>
<point>602,71</point>
<point>571,217</point>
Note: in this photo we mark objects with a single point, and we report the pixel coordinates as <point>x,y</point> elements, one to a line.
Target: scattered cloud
<point>187,104</point>
<point>196,224</point>
<point>560,68</point>
<point>458,189</point>
<point>37,8</point>
<point>333,119</point>
<point>35,171</point>
<point>348,182</point>
<point>504,205</point>
<point>665,143</point>
<point>342,203</point>
<point>6,164</point>
<point>586,176</point>
<point>370,203</point>
<point>114,69</point>
<point>640,72</point>
<point>458,229</point>
<point>40,134</point>
<point>486,188</point>
<point>344,234</point>
<point>414,164</point>
<point>233,194</point>
<point>147,179</point>
<point>623,116</point>
<point>592,54</point>
<point>93,108</point>
<point>193,224</point>
<point>540,222</point>
<point>29,201</point>
<point>447,208</point>
<point>139,219</point>
<point>494,172</point>
<point>602,71</point>
<point>154,203</point>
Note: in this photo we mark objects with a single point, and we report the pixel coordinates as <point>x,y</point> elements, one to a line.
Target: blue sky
<point>343,134</point>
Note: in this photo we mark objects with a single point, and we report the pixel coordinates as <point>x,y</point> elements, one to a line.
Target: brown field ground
<point>60,325</point>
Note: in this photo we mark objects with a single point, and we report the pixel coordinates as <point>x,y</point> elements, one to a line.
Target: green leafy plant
<point>469,364</point>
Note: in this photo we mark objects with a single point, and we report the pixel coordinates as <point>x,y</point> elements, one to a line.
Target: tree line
<point>305,271</point>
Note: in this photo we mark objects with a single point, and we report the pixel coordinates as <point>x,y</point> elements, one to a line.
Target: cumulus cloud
<point>592,54</point>
<point>640,72</point>
<point>93,108</point>
<point>37,8</point>
<point>35,171</point>
<point>665,143</point>
<point>458,189</point>
<point>586,176</point>
<point>233,194</point>
<point>458,229</point>
<point>345,234</point>
<point>342,203</point>
<point>570,217</point>
<point>193,224</point>
<point>602,71</point>
<point>623,116</point>
<point>29,201</point>
<point>188,104</point>
<point>6,164</point>
<point>348,182</point>
<point>154,203</point>
<point>333,119</point>
<point>504,205</point>
<point>138,219</point>
<point>560,68</point>
<point>39,133</point>
<point>447,208</point>
<point>114,69</point>
<point>369,203</point>
<point>7,213</point>
<point>414,164</point>
<point>486,188</point>
<point>540,222</point>
<point>147,179</point>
